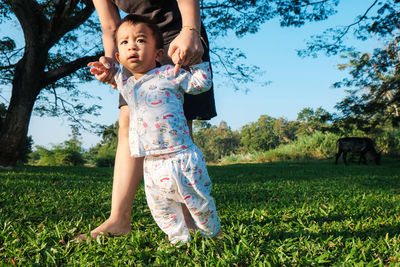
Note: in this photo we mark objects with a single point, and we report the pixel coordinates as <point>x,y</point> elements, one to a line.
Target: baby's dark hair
<point>136,19</point>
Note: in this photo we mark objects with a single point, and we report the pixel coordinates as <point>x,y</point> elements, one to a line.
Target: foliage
<point>379,21</point>
<point>301,213</point>
<point>373,96</point>
<point>73,34</point>
<point>389,141</point>
<point>259,136</point>
<point>311,121</point>
<point>103,154</point>
<point>215,142</point>
<point>60,37</point>
<point>267,133</point>
<point>69,153</point>
<point>316,146</point>
<point>243,17</point>
<point>67,44</point>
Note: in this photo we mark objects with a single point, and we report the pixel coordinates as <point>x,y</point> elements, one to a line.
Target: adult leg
<point>128,173</point>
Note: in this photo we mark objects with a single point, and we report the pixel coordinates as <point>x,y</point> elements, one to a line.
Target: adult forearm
<point>109,19</point>
<point>190,13</point>
<point>109,45</point>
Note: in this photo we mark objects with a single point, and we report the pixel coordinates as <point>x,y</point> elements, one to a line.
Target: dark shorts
<point>196,107</point>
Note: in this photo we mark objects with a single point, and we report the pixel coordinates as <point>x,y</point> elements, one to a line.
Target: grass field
<point>282,213</point>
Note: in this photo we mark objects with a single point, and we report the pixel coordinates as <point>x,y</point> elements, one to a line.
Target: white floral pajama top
<point>157,122</point>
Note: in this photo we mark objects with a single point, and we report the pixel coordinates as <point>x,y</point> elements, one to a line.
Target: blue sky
<point>296,82</point>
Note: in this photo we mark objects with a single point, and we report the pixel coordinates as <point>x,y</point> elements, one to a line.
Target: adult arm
<point>186,49</point>
<point>109,18</point>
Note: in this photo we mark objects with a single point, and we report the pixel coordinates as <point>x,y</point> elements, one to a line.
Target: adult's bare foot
<point>107,228</point>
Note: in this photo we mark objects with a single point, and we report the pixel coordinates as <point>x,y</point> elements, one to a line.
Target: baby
<point>175,171</point>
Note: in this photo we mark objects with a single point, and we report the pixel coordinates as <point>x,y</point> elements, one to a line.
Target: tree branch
<point>69,113</point>
<point>68,68</point>
<point>226,69</point>
<point>348,27</point>
<point>242,3</point>
<point>315,3</point>
<point>63,21</point>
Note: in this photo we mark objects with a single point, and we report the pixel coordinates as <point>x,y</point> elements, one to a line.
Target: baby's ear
<point>117,57</point>
<point>159,55</point>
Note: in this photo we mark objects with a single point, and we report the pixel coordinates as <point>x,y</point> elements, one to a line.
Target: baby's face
<point>137,48</point>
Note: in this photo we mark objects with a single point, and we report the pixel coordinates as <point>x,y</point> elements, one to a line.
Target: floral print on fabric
<point>180,178</point>
<point>157,122</point>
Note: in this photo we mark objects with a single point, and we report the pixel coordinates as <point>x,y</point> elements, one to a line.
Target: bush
<point>58,155</point>
<point>69,153</point>
<point>389,142</point>
<point>317,146</point>
<point>216,142</point>
<point>103,154</point>
<point>105,157</point>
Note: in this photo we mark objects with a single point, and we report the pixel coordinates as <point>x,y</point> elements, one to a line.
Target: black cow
<point>358,145</point>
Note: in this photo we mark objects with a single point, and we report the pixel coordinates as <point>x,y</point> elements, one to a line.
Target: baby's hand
<point>104,70</point>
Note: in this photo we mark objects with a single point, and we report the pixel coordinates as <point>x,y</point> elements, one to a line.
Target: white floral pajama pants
<point>177,178</point>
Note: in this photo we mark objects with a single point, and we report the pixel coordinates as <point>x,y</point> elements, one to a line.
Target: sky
<point>295,82</point>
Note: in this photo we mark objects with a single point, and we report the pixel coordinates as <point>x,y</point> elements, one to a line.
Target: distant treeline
<point>312,135</point>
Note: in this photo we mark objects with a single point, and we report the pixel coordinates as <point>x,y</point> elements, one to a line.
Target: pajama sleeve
<point>120,80</point>
<point>197,80</point>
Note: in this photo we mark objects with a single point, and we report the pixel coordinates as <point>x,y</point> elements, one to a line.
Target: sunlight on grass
<point>282,213</point>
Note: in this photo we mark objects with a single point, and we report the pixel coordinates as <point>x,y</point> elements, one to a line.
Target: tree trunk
<point>27,84</point>
<point>14,131</point>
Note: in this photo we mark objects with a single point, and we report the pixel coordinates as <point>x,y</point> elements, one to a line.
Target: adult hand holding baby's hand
<point>186,49</point>
<point>104,70</point>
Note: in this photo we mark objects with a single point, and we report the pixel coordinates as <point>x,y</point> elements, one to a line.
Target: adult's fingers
<point>177,68</point>
<point>177,59</point>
